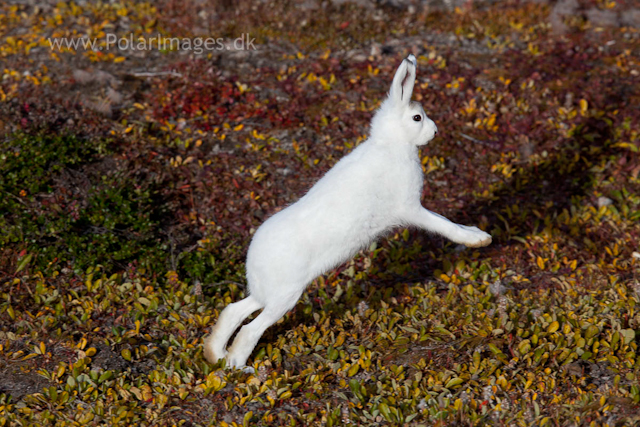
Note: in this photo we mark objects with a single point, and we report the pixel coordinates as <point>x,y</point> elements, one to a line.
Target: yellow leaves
<point>118,59</point>
<point>313,78</point>
<point>470,107</point>
<point>82,343</point>
<point>631,147</point>
<point>554,326</point>
<point>455,381</point>
<point>540,263</point>
<point>545,421</point>
<point>433,59</point>
<point>516,25</point>
<point>172,277</point>
<point>143,393</point>
<point>161,400</point>
<point>11,74</point>
<point>583,106</point>
<point>591,331</point>
<point>246,421</point>
<point>33,80</point>
<point>613,252</point>
<point>458,404</point>
<point>527,84</point>
<point>431,164</point>
<point>40,349</point>
<point>178,161</point>
<point>325,84</point>
<point>504,81</point>
<point>503,383</point>
<point>455,83</point>
<point>628,334</point>
<point>61,370</point>
<point>238,127</point>
<point>353,369</point>
<point>98,56</point>
<point>256,174</point>
<point>567,113</point>
<point>504,168</point>
<point>242,87</point>
<point>573,264</point>
<point>528,384</point>
<point>490,123</point>
<point>533,49</point>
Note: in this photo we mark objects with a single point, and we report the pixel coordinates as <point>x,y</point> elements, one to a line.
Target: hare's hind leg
<point>228,321</point>
<point>250,334</point>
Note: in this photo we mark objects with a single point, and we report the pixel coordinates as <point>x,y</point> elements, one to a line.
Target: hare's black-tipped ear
<point>402,86</point>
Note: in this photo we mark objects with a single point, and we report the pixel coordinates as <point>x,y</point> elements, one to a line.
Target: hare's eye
<point>417,118</point>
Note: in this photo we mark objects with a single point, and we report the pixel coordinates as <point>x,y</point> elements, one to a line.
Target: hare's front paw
<point>473,237</point>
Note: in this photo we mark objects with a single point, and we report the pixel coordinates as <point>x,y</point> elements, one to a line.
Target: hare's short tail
<point>228,321</point>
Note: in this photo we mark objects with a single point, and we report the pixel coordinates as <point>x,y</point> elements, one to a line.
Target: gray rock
<point>560,10</point>
<point>602,18</point>
<point>309,5</point>
<point>631,18</point>
<point>362,3</point>
<point>604,201</point>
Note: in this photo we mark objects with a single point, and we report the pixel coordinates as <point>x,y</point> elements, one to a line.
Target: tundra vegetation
<point>131,182</point>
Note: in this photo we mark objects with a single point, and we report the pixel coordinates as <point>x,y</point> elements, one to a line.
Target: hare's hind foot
<point>213,352</point>
<point>228,321</point>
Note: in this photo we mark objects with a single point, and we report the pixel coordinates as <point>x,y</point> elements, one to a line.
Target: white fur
<point>373,189</point>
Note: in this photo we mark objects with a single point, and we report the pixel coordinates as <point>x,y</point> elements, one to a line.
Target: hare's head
<point>399,119</point>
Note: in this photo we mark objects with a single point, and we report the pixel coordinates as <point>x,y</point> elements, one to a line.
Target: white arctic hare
<point>373,189</point>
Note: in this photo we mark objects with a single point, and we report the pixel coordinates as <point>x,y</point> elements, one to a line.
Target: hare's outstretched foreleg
<point>469,236</point>
<point>228,321</point>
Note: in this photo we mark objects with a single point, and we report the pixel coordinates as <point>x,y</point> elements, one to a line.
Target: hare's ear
<point>403,81</point>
